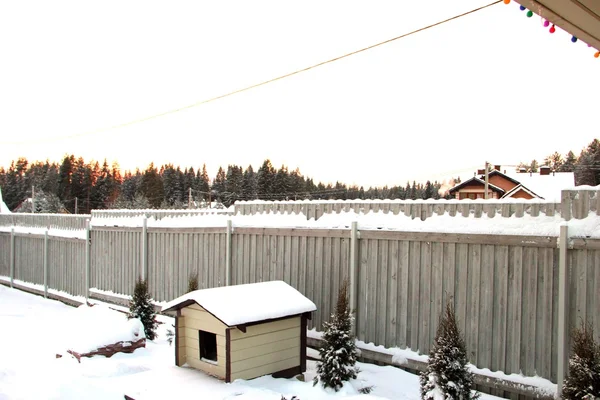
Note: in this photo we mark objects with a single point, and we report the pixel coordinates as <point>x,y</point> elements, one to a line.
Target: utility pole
<point>487,180</point>
<point>189,198</point>
<point>32,198</point>
<point>76,206</point>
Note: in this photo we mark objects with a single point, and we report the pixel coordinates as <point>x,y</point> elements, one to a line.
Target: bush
<point>447,375</point>
<point>583,381</point>
<point>192,283</point>
<point>141,307</point>
<point>338,355</point>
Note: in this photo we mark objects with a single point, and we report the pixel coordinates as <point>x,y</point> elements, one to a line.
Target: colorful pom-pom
<point>597,54</point>
<point>573,39</point>
<point>522,8</point>
<point>529,14</point>
<point>506,1</point>
<point>552,29</point>
<point>546,23</point>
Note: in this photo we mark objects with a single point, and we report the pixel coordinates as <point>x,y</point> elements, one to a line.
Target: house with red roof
<point>545,184</point>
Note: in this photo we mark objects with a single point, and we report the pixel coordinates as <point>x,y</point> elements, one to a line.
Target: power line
<point>290,74</point>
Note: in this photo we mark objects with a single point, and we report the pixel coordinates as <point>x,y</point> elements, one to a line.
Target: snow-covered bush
<point>447,375</point>
<point>583,381</point>
<point>141,307</point>
<point>338,355</point>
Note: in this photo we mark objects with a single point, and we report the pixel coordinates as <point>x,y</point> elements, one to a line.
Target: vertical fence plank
<point>393,295</point>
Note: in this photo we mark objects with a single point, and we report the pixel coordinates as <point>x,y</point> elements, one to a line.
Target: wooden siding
<point>265,348</point>
<point>180,341</point>
<point>195,318</point>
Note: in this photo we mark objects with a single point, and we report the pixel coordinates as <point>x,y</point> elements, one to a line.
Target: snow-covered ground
<point>34,330</point>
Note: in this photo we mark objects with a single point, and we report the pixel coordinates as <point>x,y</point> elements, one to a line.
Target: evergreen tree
<point>64,178</point>
<point>583,381</point>
<point>447,375</point>
<point>141,307</point>
<point>413,191</point>
<point>264,180</point>
<point>281,184</point>
<point>234,181</point>
<point>169,178</point>
<point>249,184</point>
<point>569,163</point>
<point>534,166</point>
<point>202,183</point>
<point>587,169</point>
<point>554,161</point>
<point>428,193</point>
<point>152,186</point>
<point>338,355</point>
<point>218,186</point>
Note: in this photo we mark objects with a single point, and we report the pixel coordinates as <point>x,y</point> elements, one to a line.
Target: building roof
<point>478,181</point>
<point>243,304</point>
<point>514,190</point>
<point>580,18</point>
<point>505,176</point>
<point>548,186</point>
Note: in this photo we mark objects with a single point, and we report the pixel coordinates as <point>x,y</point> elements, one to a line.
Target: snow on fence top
<point>580,206</point>
<point>159,214</point>
<point>243,304</point>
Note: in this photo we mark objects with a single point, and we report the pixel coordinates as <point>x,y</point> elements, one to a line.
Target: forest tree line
<point>77,186</point>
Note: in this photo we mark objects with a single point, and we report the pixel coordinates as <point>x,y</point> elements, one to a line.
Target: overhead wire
<point>256,85</point>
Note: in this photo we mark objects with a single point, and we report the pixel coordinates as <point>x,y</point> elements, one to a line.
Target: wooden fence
<point>157,214</point>
<point>411,208</point>
<point>56,221</point>
<point>516,297</point>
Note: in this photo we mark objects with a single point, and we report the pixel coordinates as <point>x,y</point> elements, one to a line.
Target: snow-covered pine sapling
<point>141,307</point>
<point>583,381</point>
<point>338,355</point>
<point>447,375</point>
<point>171,335</point>
<point>192,282</point>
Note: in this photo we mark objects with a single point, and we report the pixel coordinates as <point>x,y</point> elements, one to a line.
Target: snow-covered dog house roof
<point>242,331</point>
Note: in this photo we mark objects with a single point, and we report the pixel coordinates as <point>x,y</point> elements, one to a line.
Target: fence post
<point>87,259</point>
<point>228,254</point>
<point>46,264</point>
<point>354,236</point>
<point>144,247</point>
<point>563,307</point>
<point>12,255</point>
<point>566,211</point>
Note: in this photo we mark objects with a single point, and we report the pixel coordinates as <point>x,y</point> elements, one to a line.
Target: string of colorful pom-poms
<point>552,28</point>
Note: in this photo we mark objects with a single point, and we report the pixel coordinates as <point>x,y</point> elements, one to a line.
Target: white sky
<point>492,86</point>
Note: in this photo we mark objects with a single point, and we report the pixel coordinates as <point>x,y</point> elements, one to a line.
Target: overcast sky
<point>493,86</point>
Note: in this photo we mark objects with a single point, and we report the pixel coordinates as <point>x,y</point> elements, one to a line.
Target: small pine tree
<point>338,355</point>
<point>583,381</point>
<point>447,375</point>
<point>141,307</point>
<point>192,283</point>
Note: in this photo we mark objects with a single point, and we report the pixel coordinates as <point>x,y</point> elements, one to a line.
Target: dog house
<point>242,331</point>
